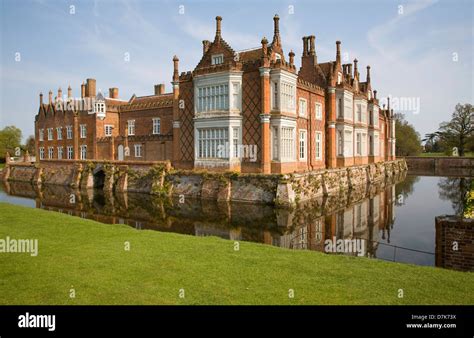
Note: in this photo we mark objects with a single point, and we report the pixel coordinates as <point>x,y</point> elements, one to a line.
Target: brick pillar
<point>265,165</point>
<point>331,146</point>
<point>37,138</point>
<point>176,115</point>
<point>112,148</point>
<point>76,138</point>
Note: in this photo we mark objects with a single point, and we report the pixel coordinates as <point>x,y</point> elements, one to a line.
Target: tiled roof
<point>326,67</point>
<point>148,102</point>
<point>250,55</point>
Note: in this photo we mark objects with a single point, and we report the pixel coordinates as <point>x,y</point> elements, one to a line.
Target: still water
<point>393,221</point>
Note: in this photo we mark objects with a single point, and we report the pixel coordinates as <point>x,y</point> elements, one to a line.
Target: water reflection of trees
<point>405,188</point>
<point>456,190</point>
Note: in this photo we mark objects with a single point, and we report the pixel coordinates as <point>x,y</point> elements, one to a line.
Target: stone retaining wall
<point>159,178</point>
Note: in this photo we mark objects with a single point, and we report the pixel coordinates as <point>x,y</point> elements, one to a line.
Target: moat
<point>396,220</point>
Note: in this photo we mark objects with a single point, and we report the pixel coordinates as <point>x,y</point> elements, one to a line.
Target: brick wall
<point>449,231</point>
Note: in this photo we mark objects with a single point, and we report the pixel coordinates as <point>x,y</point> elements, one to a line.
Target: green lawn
<point>89,257</point>
<point>468,154</point>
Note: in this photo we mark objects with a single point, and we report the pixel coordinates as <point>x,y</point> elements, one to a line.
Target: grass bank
<point>468,154</point>
<point>90,259</point>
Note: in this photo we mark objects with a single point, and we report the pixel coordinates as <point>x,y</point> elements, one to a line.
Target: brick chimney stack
<point>114,93</point>
<point>338,52</point>
<point>305,45</point>
<point>218,28</point>
<point>90,88</point>
<point>368,74</point>
<point>69,91</point>
<point>375,94</point>
<point>159,89</point>
<point>60,94</point>
<point>312,50</point>
<point>50,97</point>
<point>276,30</point>
<point>41,98</point>
<point>83,90</point>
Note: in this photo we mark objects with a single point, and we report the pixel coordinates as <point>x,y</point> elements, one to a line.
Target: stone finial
<point>69,91</point>
<point>60,94</point>
<point>41,98</point>
<point>175,69</point>
<point>375,94</point>
<point>291,56</point>
<point>50,96</point>
<point>264,46</point>
<point>205,46</point>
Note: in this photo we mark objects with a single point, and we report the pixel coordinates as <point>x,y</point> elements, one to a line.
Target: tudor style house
<point>247,111</point>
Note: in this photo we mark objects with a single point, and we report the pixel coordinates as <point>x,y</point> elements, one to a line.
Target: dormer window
<point>217,59</point>
<point>99,108</point>
<point>277,56</point>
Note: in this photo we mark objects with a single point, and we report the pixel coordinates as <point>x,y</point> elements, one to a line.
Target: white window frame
<point>41,153</point>
<point>275,143</point>
<point>217,59</point>
<point>319,145</point>
<point>50,134</point>
<point>358,145</point>
<point>41,134</point>
<point>303,107</point>
<point>131,127</point>
<point>235,142</point>
<point>156,129</point>
<point>283,91</point>
<point>69,132</point>
<point>138,150</point>
<point>302,144</point>
<point>60,153</point>
<point>59,133</point>
<point>210,142</point>
<point>83,130</point>
<point>70,152</point>
<point>108,129</point>
<point>50,153</point>
<point>83,152</point>
<point>318,107</point>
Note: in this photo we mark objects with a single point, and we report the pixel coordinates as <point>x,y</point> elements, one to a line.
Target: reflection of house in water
<point>368,219</point>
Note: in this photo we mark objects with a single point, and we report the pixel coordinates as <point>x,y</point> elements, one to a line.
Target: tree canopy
<point>10,139</point>
<point>408,141</point>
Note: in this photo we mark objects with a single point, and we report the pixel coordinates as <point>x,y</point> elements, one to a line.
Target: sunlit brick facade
<point>247,111</point>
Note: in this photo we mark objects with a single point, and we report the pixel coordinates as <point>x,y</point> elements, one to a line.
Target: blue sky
<point>410,53</point>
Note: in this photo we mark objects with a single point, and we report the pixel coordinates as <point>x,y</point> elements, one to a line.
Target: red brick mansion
<point>247,111</point>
